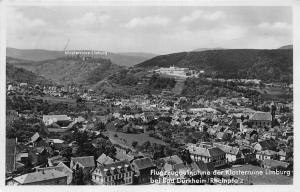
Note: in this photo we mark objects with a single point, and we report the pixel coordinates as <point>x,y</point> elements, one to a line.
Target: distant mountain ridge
<point>207,49</point>
<point>139,54</point>
<point>122,59</point>
<point>33,54</point>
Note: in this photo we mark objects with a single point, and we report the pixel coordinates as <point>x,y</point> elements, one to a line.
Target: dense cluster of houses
<point>64,92</point>
<point>235,134</point>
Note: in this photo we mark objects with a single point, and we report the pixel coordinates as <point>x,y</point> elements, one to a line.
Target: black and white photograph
<point>154,95</point>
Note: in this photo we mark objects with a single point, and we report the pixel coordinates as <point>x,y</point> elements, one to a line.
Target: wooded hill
<point>274,65</point>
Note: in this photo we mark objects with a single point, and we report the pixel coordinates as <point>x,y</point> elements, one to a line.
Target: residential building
<point>207,154</point>
<point>118,173</point>
<point>86,163</point>
<point>45,177</point>
<point>142,168</point>
<point>104,160</point>
<point>62,168</point>
<point>233,154</point>
<point>171,163</point>
<point>267,154</point>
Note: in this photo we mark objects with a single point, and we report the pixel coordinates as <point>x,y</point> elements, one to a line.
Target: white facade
<point>175,71</point>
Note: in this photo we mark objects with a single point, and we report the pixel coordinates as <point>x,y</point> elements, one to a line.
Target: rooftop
<point>39,176</point>
<point>86,161</point>
<point>143,163</point>
<point>261,116</point>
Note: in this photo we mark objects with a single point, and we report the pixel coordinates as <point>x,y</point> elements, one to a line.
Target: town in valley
<point>121,96</point>
<point>71,135</point>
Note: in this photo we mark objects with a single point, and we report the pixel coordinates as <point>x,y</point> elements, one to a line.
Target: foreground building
<point>118,173</point>
<point>207,154</point>
<point>45,177</point>
<point>142,168</point>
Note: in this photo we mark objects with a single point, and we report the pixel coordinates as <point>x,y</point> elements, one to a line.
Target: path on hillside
<point>177,89</point>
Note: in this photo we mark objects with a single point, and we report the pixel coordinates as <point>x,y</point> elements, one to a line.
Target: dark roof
<point>143,163</point>
<point>10,154</point>
<point>201,166</point>
<point>86,161</point>
<point>215,151</point>
<point>268,144</point>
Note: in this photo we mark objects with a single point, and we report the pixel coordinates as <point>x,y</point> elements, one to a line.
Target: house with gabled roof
<point>122,155</point>
<point>104,160</point>
<point>261,119</point>
<point>62,168</point>
<point>233,154</point>
<point>207,153</point>
<point>36,140</point>
<point>116,173</point>
<point>44,177</point>
<point>266,154</point>
<point>142,168</point>
<point>171,163</point>
<point>86,163</point>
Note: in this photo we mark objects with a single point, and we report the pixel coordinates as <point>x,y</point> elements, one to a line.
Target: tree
<point>104,146</point>
<point>99,126</point>
<point>146,144</point>
<point>185,156</point>
<point>78,176</point>
<point>134,144</point>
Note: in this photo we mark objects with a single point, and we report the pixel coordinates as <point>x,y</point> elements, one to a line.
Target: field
<point>127,139</point>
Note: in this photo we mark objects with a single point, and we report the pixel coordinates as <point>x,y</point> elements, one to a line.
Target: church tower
<point>273,111</point>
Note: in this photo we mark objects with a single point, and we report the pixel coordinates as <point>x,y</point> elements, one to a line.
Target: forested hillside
<point>267,65</point>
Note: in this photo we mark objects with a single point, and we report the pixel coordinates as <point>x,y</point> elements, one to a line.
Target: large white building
<point>49,119</point>
<point>176,71</point>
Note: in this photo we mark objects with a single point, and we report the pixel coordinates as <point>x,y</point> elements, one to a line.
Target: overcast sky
<point>148,29</point>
